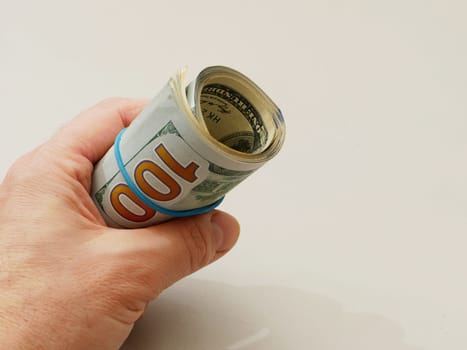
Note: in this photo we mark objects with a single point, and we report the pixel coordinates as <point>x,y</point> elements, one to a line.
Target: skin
<point>67,281</point>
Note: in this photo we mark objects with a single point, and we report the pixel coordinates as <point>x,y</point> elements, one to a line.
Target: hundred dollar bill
<point>188,148</point>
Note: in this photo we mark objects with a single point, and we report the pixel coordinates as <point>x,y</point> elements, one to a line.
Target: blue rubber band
<point>145,199</point>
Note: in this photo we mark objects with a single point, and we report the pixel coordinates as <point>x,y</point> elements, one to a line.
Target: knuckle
<point>111,102</point>
<point>198,243</point>
<point>114,291</point>
<point>21,168</point>
<point>15,171</point>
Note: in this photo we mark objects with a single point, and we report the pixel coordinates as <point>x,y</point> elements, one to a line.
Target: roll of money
<point>187,149</point>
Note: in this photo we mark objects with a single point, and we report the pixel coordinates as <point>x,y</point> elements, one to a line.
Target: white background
<point>354,237</point>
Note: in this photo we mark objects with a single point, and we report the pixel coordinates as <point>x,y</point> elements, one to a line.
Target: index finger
<point>93,132</point>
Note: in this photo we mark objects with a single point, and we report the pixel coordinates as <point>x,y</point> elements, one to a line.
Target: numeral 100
<point>188,173</point>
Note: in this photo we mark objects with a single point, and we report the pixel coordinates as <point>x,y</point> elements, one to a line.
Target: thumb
<point>165,253</point>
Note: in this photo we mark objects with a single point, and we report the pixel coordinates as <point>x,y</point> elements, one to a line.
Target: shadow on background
<point>205,315</point>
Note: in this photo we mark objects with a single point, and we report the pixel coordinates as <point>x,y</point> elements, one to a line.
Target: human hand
<point>66,280</point>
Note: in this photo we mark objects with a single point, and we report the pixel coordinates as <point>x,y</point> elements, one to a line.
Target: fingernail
<point>226,230</point>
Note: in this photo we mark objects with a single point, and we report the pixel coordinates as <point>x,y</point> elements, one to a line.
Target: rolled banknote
<point>187,149</point>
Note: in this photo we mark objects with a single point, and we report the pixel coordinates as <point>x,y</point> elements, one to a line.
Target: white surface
<point>355,236</point>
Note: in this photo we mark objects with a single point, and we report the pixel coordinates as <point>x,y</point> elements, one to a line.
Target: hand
<point>66,280</point>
